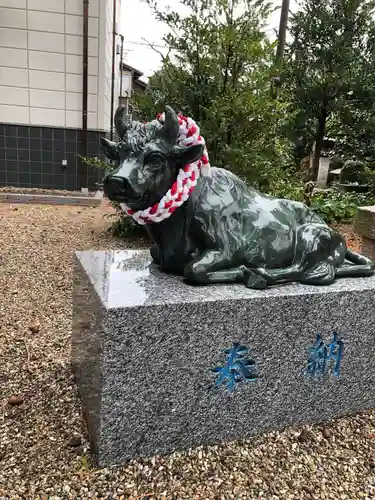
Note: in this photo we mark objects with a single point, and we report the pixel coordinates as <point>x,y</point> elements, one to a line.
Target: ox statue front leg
<point>155,254</point>
<point>213,266</point>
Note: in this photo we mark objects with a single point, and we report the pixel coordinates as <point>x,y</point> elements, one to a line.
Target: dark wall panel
<point>31,157</point>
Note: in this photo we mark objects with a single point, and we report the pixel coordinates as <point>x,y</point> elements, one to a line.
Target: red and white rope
<point>186,181</point>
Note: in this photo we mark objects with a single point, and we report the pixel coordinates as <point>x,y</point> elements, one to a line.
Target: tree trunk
<point>319,136</point>
<point>283,27</point>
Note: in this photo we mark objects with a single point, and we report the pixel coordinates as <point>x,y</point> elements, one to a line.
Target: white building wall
<point>41,50</point>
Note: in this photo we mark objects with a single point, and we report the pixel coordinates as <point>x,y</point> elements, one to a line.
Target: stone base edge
<point>49,199</point>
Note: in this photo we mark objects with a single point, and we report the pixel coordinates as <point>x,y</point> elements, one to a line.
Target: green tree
<point>354,130</point>
<point>330,64</point>
<point>219,70</point>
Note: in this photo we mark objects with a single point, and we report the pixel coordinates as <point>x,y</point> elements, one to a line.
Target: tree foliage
<point>219,70</point>
<point>353,127</point>
<point>330,68</point>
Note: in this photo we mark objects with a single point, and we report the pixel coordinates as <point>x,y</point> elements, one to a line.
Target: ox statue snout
<point>115,186</point>
<point>119,188</point>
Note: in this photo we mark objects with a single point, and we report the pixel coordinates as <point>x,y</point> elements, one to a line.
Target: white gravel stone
<point>36,461</point>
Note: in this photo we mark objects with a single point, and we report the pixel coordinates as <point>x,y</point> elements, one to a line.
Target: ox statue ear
<point>170,129</point>
<point>110,149</point>
<point>186,154</point>
<point>121,121</point>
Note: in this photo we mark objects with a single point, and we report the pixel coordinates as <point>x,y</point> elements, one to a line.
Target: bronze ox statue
<point>225,232</point>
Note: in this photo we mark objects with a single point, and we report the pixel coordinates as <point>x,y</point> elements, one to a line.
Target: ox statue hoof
<point>254,280</point>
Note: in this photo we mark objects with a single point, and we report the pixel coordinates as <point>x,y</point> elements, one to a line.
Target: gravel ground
<point>353,240</point>
<point>44,453</point>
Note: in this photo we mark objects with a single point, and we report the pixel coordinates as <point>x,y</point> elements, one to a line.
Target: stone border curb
<point>52,199</point>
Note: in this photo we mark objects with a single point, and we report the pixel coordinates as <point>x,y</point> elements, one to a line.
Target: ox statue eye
<point>154,157</point>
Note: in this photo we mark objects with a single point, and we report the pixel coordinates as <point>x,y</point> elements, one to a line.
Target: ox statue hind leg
<point>321,257</point>
<point>318,248</point>
<point>211,267</point>
<point>355,265</point>
<point>314,248</point>
<point>313,245</point>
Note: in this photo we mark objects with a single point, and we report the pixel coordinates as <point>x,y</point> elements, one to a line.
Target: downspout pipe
<point>85,85</point>
<point>121,59</point>
<point>113,67</point>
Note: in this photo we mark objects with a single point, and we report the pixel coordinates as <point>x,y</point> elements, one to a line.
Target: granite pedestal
<point>146,346</point>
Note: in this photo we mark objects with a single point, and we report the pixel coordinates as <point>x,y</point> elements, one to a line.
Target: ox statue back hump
<point>222,231</point>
